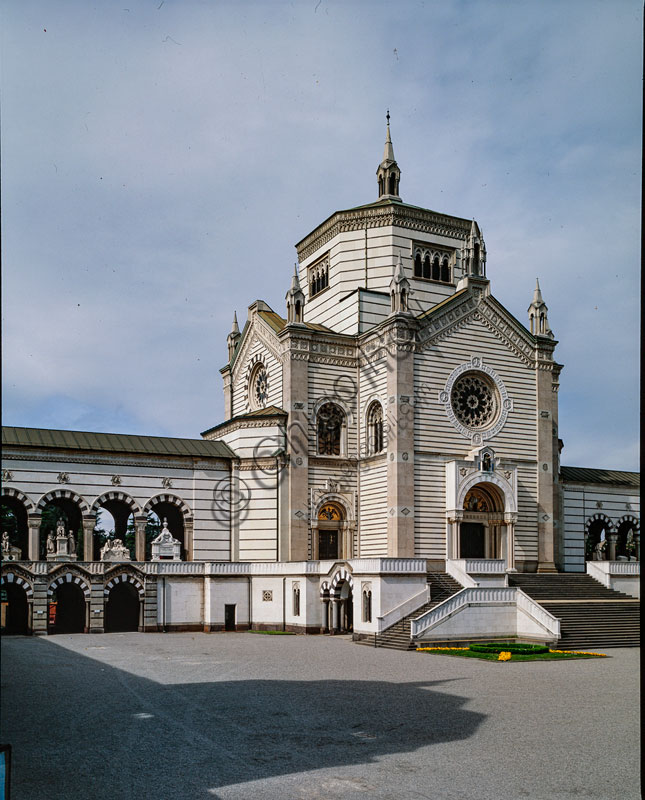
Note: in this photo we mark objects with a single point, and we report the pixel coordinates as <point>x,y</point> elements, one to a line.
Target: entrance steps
<point>397,637</point>
<point>590,614</point>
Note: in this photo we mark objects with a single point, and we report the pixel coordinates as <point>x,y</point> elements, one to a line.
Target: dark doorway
<point>472,540</point>
<point>70,609</point>
<point>122,609</point>
<point>17,622</point>
<point>229,617</point>
<point>349,613</point>
<point>328,544</point>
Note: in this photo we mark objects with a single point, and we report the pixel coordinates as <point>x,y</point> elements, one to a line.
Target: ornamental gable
<point>257,373</point>
<point>474,387</point>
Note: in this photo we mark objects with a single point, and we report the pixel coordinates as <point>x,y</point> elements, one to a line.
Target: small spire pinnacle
<point>235,328</point>
<point>537,294</point>
<point>295,281</point>
<point>388,152</point>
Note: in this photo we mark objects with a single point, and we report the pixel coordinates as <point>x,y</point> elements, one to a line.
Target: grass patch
<point>500,652</point>
<point>274,633</point>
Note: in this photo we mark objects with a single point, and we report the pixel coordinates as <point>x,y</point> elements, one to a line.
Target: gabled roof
<point>260,413</point>
<point>112,443</point>
<point>605,476</point>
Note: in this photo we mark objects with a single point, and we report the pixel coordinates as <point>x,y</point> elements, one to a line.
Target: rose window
<point>474,400</point>
<point>261,387</point>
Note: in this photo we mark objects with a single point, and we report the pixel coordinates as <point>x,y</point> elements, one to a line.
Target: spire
<point>295,281</point>
<point>399,289</point>
<point>233,338</point>
<point>388,172</point>
<point>538,319</point>
<point>388,152</point>
<point>295,298</point>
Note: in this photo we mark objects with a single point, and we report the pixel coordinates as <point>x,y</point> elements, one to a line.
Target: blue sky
<point>161,159</point>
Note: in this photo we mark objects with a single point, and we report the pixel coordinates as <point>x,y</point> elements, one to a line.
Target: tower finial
<point>387,117</point>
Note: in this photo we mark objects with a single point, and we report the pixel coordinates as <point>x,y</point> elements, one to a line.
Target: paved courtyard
<point>253,716</point>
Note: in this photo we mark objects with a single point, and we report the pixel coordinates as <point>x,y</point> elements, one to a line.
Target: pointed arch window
<point>319,276</point>
<point>433,264</point>
<point>375,440</point>
<point>296,599</point>
<point>330,426</point>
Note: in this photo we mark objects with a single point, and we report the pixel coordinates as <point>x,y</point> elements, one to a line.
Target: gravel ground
<point>249,716</point>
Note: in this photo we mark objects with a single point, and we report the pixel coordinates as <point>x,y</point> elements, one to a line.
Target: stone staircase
<point>397,637</point>
<point>591,616</point>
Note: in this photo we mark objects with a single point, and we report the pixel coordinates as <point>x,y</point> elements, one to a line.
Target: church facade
<point>398,420</point>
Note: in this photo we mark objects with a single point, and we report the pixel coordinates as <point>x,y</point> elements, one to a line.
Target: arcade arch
<point>124,511</point>
<point>19,593</point>
<point>68,599</point>
<point>65,505</point>
<point>124,595</point>
<point>179,518</point>
<point>597,532</point>
<point>628,531</point>
<point>16,507</point>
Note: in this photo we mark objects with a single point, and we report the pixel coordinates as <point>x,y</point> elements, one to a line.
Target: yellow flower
<point>504,656</point>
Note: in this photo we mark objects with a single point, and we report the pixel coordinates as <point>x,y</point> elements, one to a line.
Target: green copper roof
<point>113,443</point>
<point>587,475</point>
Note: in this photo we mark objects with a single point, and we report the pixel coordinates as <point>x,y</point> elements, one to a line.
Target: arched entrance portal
<point>338,604</point>
<point>328,532</point>
<point>480,532</point>
<point>17,610</point>
<point>122,608</point>
<point>70,609</point>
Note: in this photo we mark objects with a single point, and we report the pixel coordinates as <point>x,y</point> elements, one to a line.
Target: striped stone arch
<point>21,497</point>
<point>18,580</point>
<point>337,581</point>
<point>169,498</point>
<point>132,504</point>
<point>635,523</point>
<point>69,577</point>
<point>595,518</point>
<point>64,494</point>
<point>124,577</point>
<point>324,590</point>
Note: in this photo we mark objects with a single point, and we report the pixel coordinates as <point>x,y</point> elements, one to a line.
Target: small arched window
<point>476,260</point>
<point>418,269</point>
<point>375,428</point>
<point>296,599</point>
<point>330,427</point>
<point>426,266</point>
<point>445,271</point>
<point>367,604</point>
<point>435,269</point>
<point>392,184</point>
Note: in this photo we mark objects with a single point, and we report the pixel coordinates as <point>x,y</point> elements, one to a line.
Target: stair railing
<point>501,595</point>
<point>408,606</point>
<point>456,569</point>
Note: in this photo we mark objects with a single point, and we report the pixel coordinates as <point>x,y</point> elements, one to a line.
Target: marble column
<point>89,523</point>
<point>612,538</point>
<point>34,520</point>
<point>335,616</point>
<point>140,523</point>
<point>510,520</point>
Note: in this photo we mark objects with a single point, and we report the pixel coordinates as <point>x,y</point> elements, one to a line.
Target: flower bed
<point>509,651</point>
